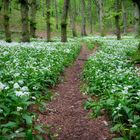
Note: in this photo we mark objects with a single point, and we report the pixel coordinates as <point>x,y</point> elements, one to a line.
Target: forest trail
<point>68,117</point>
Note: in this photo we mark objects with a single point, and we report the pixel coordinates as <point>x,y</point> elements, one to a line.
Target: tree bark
<point>137,19</point>
<point>83,6</point>
<point>64,21</point>
<point>90,15</point>
<point>48,23</point>
<point>101,16</point>
<point>56,13</point>
<point>6,21</point>
<point>33,18</point>
<point>1,2</point>
<point>124,17</point>
<point>73,17</point>
<point>117,19</point>
<point>25,21</point>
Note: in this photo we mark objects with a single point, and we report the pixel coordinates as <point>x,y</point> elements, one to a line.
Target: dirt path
<point>68,117</point>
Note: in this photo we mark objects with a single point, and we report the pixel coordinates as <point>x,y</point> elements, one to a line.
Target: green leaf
<point>27,118</point>
<point>9,124</point>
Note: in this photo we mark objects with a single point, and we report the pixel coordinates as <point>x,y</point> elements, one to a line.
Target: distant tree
<point>33,18</point>
<point>101,16</point>
<point>137,16</point>
<point>25,20</point>
<point>6,20</point>
<point>1,4</point>
<point>64,21</point>
<point>83,11</point>
<point>56,13</point>
<point>90,15</point>
<point>48,22</point>
<point>124,15</point>
<point>136,19</point>
<point>72,14</point>
<point>117,18</point>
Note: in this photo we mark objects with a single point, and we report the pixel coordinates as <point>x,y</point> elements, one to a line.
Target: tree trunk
<point>48,23</point>
<point>1,2</point>
<point>117,19</point>
<point>25,21</point>
<point>83,30</point>
<point>101,16</point>
<point>90,15</point>
<point>73,17</point>
<point>137,19</point>
<point>64,21</point>
<point>33,18</point>
<point>124,17</point>
<point>56,13</point>
<point>6,21</point>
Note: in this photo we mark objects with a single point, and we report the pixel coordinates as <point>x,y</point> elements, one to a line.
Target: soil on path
<point>67,115</point>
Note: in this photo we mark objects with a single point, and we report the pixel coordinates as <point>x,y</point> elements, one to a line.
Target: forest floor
<point>66,113</point>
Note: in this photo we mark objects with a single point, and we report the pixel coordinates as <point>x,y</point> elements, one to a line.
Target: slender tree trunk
<point>25,21</point>
<point>83,30</point>
<point>124,17</point>
<point>117,19</point>
<point>56,13</point>
<point>73,17</point>
<point>48,23</point>
<point>1,4</point>
<point>90,15</point>
<point>64,21</point>
<point>6,21</point>
<point>101,16</point>
<point>137,19</point>
<point>33,18</point>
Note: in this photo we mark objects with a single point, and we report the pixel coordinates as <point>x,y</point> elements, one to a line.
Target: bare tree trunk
<point>25,21</point>
<point>90,15</point>
<point>73,17</point>
<point>33,18</point>
<point>6,21</point>
<point>1,4</point>
<point>117,19</point>
<point>136,18</point>
<point>83,30</point>
<point>101,16</point>
<point>64,21</point>
<point>56,13</point>
<point>124,17</point>
<point>48,20</point>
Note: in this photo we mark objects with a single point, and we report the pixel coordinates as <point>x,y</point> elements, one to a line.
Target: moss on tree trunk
<point>25,21</point>
<point>6,21</point>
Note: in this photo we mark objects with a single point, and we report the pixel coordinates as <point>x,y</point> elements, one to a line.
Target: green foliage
<point>111,76</point>
<point>27,70</point>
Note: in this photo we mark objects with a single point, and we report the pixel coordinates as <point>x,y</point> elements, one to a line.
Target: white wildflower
<point>16,74</point>
<point>19,93</point>
<point>33,97</point>
<point>21,82</point>
<point>1,110</point>
<point>24,89</point>
<point>16,86</point>
<point>16,131</point>
<point>134,126</point>
<point>138,93</point>
<point>26,93</point>
<point>2,86</point>
<point>19,109</point>
<point>5,53</point>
